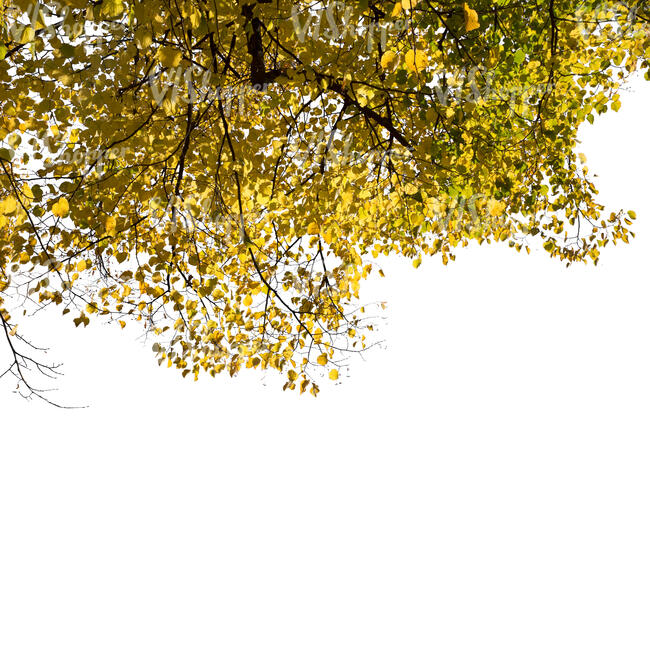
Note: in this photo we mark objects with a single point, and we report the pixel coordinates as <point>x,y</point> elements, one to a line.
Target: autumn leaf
<point>495,208</point>
<point>8,205</point>
<point>27,35</point>
<point>112,8</point>
<point>471,18</point>
<point>111,223</point>
<point>416,60</point>
<point>387,59</point>
<point>61,207</point>
<point>169,57</point>
<point>409,4</point>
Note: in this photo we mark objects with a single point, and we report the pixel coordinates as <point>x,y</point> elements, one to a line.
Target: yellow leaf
<point>417,261</point>
<point>495,208</point>
<point>312,228</point>
<point>8,205</point>
<point>111,223</point>
<point>334,374</point>
<point>28,35</point>
<point>397,9</point>
<point>143,38</point>
<point>169,57</point>
<point>195,20</point>
<point>471,18</point>
<point>112,8</point>
<point>409,4</point>
<point>322,359</point>
<point>27,191</point>
<point>387,59</point>
<point>61,207</point>
<point>248,301</point>
<point>416,60</point>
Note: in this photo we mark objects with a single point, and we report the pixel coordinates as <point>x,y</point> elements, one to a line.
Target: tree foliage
<point>227,173</point>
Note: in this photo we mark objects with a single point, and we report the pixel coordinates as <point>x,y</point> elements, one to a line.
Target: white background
<point>482,483</point>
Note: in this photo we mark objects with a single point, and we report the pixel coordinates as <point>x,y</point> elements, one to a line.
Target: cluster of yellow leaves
<point>237,223</point>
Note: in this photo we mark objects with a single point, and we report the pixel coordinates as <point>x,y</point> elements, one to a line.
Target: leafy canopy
<point>226,173</point>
